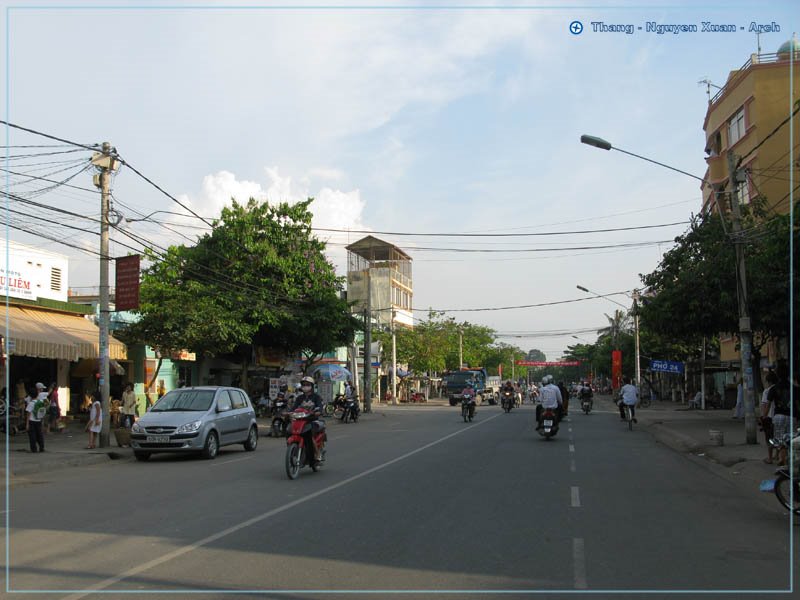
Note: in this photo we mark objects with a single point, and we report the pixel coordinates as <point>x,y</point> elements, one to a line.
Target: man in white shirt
<point>630,397</point>
<point>549,397</point>
<point>36,411</point>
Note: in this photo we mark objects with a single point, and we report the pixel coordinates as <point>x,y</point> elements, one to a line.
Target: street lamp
<point>745,331</point>
<point>635,298</point>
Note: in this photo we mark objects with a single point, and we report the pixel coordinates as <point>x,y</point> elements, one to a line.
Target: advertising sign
<point>667,366</point>
<point>616,369</point>
<point>127,283</point>
<point>543,363</point>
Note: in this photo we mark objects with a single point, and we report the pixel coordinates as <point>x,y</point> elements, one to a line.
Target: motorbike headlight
<point>189,427</point>
<point>136,428</point>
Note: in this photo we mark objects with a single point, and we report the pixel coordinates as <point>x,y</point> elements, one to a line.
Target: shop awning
<point>48,334</point>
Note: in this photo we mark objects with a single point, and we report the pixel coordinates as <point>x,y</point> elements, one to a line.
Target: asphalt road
<point>410,499</point>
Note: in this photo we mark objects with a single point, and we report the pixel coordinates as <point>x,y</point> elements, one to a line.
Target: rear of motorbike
<point>786,484</point>
<point>549,423</point>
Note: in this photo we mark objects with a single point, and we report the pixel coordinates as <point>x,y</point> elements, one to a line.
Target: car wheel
<point>252,439</point>
<point>211,447</point>
<point>142,456</point>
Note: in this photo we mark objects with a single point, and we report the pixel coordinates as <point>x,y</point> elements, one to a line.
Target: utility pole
<point>635,297</point>
<point>460,348</point>
<point>745,331</point>
<point>394,362</point>
<point>105,163</point>
<point>368,346</point>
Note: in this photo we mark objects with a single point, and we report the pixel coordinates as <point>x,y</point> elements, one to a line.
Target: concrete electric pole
<point>735,176</point>
<point>105,163</point>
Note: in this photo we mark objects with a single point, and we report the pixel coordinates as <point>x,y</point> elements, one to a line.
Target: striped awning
<point>49,334</point>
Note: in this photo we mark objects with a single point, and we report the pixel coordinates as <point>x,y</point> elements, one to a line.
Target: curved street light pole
<point>735,175</point>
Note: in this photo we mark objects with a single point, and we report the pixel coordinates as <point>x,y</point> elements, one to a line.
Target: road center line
<point>572,447</point>
<point>572,465</point>
<point>262,517</point>
<point>216,463</point>
<point>579,563</point>
<point>576,498</point>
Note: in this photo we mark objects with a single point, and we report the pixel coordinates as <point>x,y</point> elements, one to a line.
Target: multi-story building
<point>388,270</point>
<point>749,117</point>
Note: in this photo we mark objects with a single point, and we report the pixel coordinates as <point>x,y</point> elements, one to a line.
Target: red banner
<point>616,369</point>
<point>541,363</point>
<point>126,296</point>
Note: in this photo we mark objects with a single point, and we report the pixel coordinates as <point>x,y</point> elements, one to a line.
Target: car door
<point>240,407</point>
<point>226,418</point>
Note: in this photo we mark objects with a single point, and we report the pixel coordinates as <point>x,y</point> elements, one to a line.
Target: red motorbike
<point>299,448</point>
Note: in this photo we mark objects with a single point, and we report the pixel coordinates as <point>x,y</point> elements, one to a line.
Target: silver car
<point>196,419</point>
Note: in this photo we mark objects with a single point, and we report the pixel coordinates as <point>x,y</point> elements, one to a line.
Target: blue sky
<point>426,120</point>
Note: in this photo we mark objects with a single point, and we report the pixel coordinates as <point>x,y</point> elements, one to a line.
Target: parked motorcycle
<point>299,450</point>
<point>467,407</point>
<point>549,423</point>
<point>507,401</point>
<point>350,410</point>
<point>280,417</point>
<point>785,485</point>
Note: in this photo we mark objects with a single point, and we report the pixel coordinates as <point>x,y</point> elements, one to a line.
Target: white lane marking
<point>216,463</point>
<point>572,466</point>
<point>576,498</point>
<point>257,519</point>
<point>572,448</point>
<point>579,562</point>
<point>570,430</point>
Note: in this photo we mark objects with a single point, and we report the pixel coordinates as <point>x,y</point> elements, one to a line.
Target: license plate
<point>158,439</point>
<point>548,423</point>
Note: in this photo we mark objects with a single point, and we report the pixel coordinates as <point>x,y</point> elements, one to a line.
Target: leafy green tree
<point>259,277</point>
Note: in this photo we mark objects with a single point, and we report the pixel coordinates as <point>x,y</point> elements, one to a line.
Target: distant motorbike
<point>299,448</point>
<point>507,401</point>
<point>335,408</point>
<point>467,407</point>
<point>350,410</point>
<point>586,404</point>
<point>280,418</point>
<point>549,423</point>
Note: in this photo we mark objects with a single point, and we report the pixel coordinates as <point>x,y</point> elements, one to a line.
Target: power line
<point>94,147</point>
<point>496,308</point>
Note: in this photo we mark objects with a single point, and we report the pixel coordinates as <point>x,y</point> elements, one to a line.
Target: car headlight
<point>136,428</point>
<point>189,427</point>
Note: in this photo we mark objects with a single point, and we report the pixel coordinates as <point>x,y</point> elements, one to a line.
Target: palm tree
<point>619,323</point>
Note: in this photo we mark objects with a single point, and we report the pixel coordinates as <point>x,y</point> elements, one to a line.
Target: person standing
<point>53,409</point>
<point>36,411</point>
<point>768,412</point>
<point>738,411</point>
<point>95,423</point>
<point>128,406</point>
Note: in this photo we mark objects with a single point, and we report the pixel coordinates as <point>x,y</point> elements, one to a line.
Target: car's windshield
<point>185,400</point>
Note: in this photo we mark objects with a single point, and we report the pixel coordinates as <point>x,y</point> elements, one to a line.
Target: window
<point>742,193</point>
<point>185,375</point>
<point>224,401</point>
<point>736,128</point>
<point>55,279</point>
<point>237,399</point>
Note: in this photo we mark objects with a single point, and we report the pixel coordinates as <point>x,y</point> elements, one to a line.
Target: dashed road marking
<point>572,466</point>
<point>572,447</point>
<point>579,563</point>
<point>576,497</point>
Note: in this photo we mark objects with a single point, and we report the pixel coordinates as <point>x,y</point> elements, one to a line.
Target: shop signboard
<point>126,295</point>
<point>667,366</point>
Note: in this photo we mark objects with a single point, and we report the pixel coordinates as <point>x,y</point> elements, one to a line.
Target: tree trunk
<point>150,383</point>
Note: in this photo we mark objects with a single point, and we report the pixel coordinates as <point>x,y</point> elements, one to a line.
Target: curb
<point>675,440</point>
<point>70,459</point>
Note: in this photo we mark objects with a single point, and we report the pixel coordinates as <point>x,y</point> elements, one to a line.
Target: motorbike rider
<point>585,393</point>
<point>629,396</point>
<point>549,397</point>
<point>307,395</point>
<point>564,397</point>
<point>469,390</point>
<point>508,387</point>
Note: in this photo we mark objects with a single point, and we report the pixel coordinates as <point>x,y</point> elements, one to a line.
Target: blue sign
<point>666,366</point>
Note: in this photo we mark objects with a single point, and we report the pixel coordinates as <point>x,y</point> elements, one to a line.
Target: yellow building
<point>749,117</point>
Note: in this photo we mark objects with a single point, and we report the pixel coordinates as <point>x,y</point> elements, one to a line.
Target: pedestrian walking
<point>95,423</point>
<point>128,406</point>
<point>36,412</point>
